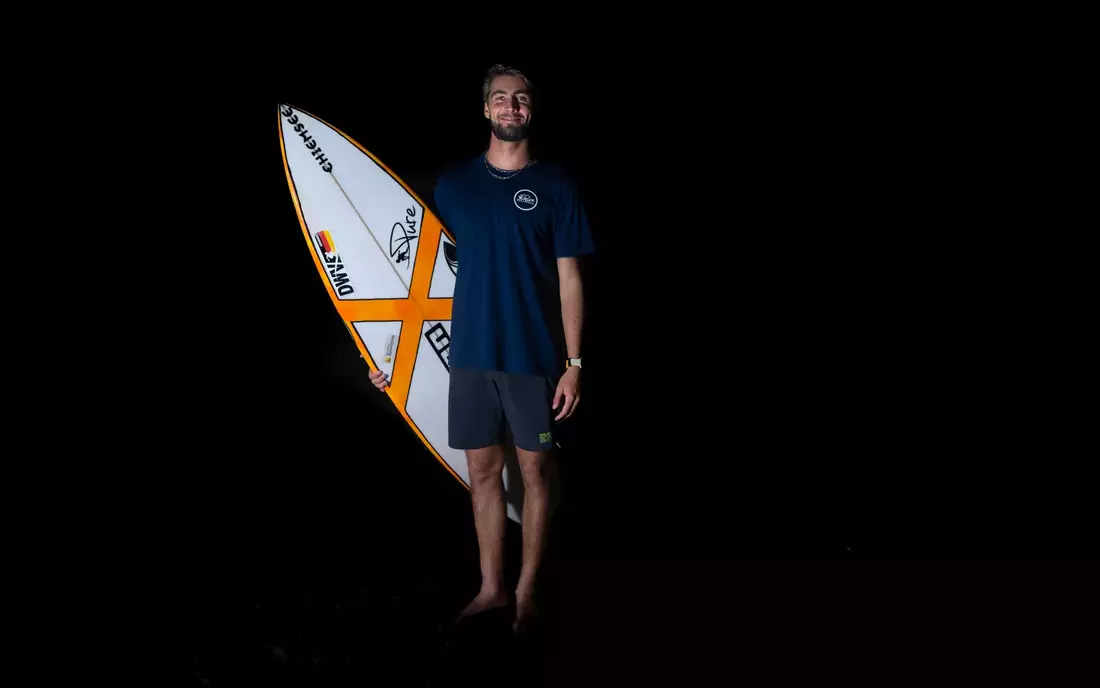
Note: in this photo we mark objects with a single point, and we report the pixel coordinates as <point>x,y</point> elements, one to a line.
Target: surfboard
<point>389,266</point>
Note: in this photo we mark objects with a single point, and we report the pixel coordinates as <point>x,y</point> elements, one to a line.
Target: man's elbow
<point>569,272</point>
<point>570,283</point>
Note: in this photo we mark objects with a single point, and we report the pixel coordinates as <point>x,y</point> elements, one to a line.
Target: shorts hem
<point>471,446</point>
<point>541,447</point>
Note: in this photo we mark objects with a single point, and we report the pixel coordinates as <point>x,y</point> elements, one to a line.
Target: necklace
<point>489,167</point>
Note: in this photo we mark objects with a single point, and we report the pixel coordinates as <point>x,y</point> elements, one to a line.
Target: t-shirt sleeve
<point>442,201</point>
<point>572,234</point>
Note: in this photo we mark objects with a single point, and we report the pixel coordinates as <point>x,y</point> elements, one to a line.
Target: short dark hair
<point>503,70</point>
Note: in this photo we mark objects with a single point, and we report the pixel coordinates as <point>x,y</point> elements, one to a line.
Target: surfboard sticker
<point>389,267</point>
<point>380,339</point>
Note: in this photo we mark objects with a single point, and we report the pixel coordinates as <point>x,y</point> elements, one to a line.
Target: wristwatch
<point>572,363</point>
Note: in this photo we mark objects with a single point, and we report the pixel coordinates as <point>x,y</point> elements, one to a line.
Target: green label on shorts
<point>544,437</point>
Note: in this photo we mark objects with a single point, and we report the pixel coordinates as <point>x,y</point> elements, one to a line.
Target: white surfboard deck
<point>389,267</point>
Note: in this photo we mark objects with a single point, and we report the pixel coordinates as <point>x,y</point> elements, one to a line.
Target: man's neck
<point>507,155</point>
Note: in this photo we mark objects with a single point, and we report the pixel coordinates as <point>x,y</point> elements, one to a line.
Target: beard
<point>513,132</point>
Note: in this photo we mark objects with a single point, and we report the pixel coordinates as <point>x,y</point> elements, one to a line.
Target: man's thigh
<point>527,402</point>
<point>475,415</point>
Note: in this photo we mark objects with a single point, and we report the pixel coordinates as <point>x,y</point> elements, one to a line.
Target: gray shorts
<point>483,406</point>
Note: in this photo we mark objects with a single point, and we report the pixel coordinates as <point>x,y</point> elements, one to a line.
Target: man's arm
<point>572,304</point>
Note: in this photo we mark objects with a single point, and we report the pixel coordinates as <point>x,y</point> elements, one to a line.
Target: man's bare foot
<point>485,600</point>
<point>526,611</point>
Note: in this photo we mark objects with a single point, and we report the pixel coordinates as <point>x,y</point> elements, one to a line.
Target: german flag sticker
<point>325,239</point>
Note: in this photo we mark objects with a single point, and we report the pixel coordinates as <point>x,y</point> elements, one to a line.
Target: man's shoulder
<point>555,172</point>
<point>558,177</point>
<point>456,171</point>
<point>451,183</point>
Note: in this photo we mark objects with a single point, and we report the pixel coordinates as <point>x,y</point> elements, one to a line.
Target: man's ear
<point>486,111</point>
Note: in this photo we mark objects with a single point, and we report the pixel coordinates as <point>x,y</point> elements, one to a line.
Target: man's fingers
<point>378,379</point>
<point>566,408</point>
<point>561,413</point>
<point>573,406</point>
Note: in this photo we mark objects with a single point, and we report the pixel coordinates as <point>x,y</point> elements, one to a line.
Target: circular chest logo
<point>525,199</point>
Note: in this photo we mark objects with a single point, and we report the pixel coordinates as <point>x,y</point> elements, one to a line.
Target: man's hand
<point>378,379</point>
<point>568,394</point>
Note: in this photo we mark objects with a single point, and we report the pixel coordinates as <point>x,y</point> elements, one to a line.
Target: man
<point>515,353</point>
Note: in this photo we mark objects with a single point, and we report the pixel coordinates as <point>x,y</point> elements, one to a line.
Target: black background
<point>802,348</point>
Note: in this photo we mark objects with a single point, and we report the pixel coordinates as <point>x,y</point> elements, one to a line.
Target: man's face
<point>509,108</point>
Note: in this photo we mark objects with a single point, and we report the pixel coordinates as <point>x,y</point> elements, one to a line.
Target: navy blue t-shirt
<point>509,234</point>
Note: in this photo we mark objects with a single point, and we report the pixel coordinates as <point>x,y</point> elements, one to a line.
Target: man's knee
<point>485,464</point>
<point>535,467</point>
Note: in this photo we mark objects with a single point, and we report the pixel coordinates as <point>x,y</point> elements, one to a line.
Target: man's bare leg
<point>535,467</point>
<point>487,493</point>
